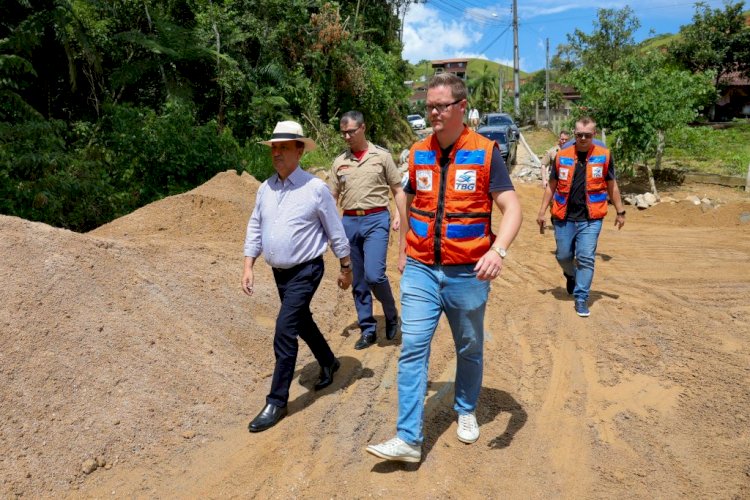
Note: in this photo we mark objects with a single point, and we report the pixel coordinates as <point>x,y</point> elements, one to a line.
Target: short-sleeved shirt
<point>363,184</point>
<point>577,210</point>
<point>549,156</point>
<point>499,176</point>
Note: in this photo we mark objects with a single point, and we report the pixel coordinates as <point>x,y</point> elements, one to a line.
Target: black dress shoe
<point>268,417</point>
<point>364,342</point>
<point>326,375</point>
<point>391,329</point>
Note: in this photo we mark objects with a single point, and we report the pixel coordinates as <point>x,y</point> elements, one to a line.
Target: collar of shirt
<point>293,178</point>
<point>370,150</point>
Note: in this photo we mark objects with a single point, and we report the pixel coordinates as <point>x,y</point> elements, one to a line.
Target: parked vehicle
<point>500,119</point>
<point>416,122</point>
<point>504,137</point>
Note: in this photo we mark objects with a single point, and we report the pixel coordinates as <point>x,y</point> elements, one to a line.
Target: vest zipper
<point>440,209</point>
<point>422,212</point>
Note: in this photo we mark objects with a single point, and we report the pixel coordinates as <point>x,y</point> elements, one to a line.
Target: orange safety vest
<point>450,216</point>
<point>597,165</point>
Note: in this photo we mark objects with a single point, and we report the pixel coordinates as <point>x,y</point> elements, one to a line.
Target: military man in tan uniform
<point>360,180</point>
<point>549,157</point>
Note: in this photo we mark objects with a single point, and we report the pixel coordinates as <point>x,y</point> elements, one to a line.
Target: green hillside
<point>663,40</point>
<point>476,66</point>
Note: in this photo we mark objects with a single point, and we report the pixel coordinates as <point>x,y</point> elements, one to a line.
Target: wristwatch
<point>346,267</point>
<point>500,251</point>
<point>621,213</point>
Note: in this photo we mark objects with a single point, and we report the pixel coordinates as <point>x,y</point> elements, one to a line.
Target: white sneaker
<point>396,449</point>
<point>468,429</point>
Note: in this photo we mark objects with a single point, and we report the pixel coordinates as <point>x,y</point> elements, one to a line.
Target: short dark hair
<point>354,116</point>
<point>456,84</point>
<point>564,132</point>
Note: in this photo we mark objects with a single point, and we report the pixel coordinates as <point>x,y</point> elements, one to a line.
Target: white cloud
<point>428,36</point>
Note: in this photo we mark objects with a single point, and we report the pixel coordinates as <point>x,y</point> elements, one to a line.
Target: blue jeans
<point>426,292</point>
<point>577,240</point>
<point>368,240</point>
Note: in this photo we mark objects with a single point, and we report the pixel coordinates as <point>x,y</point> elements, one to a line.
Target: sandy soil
<point>131,363</point>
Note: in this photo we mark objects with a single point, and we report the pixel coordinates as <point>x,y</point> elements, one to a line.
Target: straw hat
<point>290,131</point>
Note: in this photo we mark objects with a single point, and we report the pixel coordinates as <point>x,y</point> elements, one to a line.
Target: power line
<point>495,39</point>
<point>453,8</point>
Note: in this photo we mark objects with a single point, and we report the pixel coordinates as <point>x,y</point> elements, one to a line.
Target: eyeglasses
<point>350,132</point>
<point>440,108</point>
<point>584,135</point>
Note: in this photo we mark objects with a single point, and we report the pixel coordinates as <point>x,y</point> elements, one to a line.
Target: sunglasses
<point>584,135</point>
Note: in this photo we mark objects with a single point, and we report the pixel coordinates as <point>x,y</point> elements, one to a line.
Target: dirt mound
<point>131,350</point>
<point>208,212</point>
<point>128,338</point>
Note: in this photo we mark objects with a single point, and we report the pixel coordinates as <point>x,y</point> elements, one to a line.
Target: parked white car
<point>416,122</point>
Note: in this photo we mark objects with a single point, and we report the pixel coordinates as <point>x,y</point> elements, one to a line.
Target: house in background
<point>735,97</point>
<point>456,66</point>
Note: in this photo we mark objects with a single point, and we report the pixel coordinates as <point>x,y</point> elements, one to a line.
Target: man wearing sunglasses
<point>360,180</point>
<point>581,182</point>
<point>450,257</point>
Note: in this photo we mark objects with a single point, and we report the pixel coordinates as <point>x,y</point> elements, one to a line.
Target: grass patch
<point>724,151</point>
<point>540,139</point>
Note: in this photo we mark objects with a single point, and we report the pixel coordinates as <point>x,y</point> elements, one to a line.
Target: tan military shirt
<point>364,184</point>
<point>549,156</point>
<point>548,161</point>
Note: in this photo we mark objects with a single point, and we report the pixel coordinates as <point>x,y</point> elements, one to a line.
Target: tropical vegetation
<point>108,105</point>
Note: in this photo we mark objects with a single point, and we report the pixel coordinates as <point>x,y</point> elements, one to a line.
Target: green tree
<point>483,90</point>
<point>610,40</point>
<point>640,100</point>
<point>717,40</point>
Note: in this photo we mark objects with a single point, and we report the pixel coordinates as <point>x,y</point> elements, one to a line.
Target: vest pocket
<point>467,226</point>
<point>562,200</point>
<point>419,222</point>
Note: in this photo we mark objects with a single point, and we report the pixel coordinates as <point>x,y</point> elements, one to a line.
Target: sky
<point>446,29</point>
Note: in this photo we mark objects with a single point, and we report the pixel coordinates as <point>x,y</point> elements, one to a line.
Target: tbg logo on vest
<point>466,180</point>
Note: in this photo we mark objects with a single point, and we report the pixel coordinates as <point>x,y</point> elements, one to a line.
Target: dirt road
<point>133,346</point>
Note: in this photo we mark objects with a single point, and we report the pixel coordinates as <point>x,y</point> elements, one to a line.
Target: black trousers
<point>296,286</point>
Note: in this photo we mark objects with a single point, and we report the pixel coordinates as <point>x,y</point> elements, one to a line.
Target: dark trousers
<point>368,240</point>
<point>296,287</point>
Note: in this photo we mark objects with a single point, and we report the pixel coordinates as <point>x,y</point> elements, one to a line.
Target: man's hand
<point>541,220</point>
<point>619,221</point>
<point>345,278</point>
<point>402,262</point>
<point>489,266</point>
<point>396,224</point>
<point>247,281</point>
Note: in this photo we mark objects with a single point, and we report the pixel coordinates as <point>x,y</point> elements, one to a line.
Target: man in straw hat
<point>293,220</point>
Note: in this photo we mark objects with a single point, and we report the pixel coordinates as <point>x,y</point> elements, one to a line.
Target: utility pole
<point>500,90</point>
<point>546,83</point>
<point>516,80</point>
